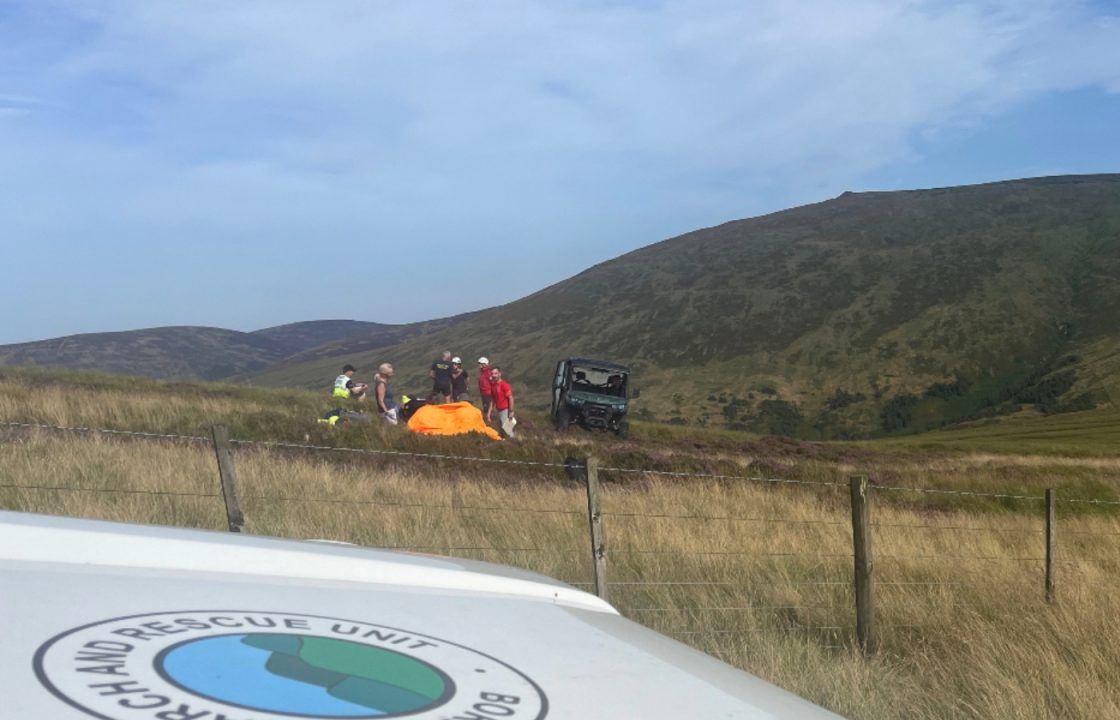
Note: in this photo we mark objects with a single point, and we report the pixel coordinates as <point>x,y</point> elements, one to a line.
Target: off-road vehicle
<point>593,394</point>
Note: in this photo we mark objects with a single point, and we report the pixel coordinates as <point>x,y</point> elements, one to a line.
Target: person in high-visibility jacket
<point>345,387</point>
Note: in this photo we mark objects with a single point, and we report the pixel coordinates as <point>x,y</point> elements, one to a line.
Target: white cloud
<point>413,120</point>
<point>419,99</point>
<point>720,83</point>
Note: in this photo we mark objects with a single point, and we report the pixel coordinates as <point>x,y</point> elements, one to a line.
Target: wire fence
<point>689,572</point>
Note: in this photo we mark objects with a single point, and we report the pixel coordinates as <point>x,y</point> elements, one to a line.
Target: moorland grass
<point>757,574</point>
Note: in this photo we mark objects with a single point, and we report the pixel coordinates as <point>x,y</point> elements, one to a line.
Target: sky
<point>247,164</point>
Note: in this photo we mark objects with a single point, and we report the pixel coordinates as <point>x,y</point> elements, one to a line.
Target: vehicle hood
<point>148,623</point>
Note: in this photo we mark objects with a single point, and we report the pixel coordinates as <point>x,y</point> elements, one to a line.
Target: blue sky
<point>259,162</point>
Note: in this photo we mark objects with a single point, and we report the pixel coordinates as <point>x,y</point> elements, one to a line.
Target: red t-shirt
<point>503,393</point>
<point>484,382</point>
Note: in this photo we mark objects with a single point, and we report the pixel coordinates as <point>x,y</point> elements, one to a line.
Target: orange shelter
<point>450,419</point>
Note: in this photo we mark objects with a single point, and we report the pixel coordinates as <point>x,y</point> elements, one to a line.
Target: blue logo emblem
<point>305,675</point>
<point>276,666</point>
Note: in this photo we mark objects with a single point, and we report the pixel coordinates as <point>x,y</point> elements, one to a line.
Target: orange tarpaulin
<point>450,419</point>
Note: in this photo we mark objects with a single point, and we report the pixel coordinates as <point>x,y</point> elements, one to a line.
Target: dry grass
<point>757,574</point>
<point>966,633</point>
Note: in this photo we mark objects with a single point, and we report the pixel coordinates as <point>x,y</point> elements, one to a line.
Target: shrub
<point>898,413</point>
<point>948,390</point>
<point>779,417</point>
<point>842,399</point>
<point>1045,393</point>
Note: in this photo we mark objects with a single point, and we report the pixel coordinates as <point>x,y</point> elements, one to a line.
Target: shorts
<point>438,389</point>
<point>461,397</point>
<point>487,401</point>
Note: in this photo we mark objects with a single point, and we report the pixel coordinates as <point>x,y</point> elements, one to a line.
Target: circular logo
<point>230,665</point>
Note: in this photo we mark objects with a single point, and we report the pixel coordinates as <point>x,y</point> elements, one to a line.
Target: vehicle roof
<point>115,620</point>
<point>604,364</point>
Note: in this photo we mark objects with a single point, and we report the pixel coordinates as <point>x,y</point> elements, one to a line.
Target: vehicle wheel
<point>623,430</point>
<point>563,419</point>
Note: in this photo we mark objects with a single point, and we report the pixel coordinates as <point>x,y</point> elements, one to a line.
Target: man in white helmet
<point>484,388</point>
<point>459,376</point>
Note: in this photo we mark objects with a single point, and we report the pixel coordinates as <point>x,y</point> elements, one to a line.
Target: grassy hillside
<point>867,314</point>
<point>757,574</point>
<point>189,352</point>
<point>296,337</point>
<point>1030,430</point>
<point>956,460</point>
<point>169,352</point>
<point>872,314</point>
<point>371,340</point>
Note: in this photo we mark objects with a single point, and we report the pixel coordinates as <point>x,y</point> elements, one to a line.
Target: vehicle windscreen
<point>587,378</point>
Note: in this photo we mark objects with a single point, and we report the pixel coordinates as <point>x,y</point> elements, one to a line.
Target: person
<point>341,415</point>
<point>346,387</point>
<point>387,406</point>
<point>459,377</point>
<point>440,373</point>
<point>503,401</point>
<point>409,406</point>
<point>484,391</point>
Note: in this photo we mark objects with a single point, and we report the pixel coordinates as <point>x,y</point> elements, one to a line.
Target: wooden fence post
<point>228,478</point>
<point>1051,539</point>
<point>595,522</point>
<point>866,634</point>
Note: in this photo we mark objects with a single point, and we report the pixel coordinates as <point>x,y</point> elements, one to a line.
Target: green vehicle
<point>593,394</point>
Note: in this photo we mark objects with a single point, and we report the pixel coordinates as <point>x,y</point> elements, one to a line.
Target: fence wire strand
<point>740,608</point>
<point>749,553</point>
<point>830,589</point>
<point>712,476</point>
<point>107,431</point>
<point>736,518</point>
<point>400,453</point>
<point>967,528</point>
<point>535,463</point>
<point>463,549</point>
<point>969,493</point>
<point>394,503</point>
<point>123,491</point>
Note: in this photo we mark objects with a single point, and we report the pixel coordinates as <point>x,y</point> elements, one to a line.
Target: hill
<point>297,337</point>
<point>185,352</point>
<point>875,312</point>
<point>167,352</point>
<point>207,353</point>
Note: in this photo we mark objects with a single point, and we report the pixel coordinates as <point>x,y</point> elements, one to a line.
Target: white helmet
<point>483,361</point>
<point>457,360</point>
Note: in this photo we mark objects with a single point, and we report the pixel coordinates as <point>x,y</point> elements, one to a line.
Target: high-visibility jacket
<point>341,387</point>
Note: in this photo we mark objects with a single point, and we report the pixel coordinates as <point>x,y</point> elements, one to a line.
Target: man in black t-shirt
<point>459,392</point>
<point>440,373</point>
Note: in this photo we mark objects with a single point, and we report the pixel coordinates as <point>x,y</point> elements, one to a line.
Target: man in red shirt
<point>503,401</point>
<point>484,386</point>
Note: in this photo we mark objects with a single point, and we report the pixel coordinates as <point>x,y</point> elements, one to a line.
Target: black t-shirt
<point>442,372</point>
<point>459,384</point>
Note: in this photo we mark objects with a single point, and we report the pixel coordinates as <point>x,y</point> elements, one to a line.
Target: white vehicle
<point>128,622</point>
